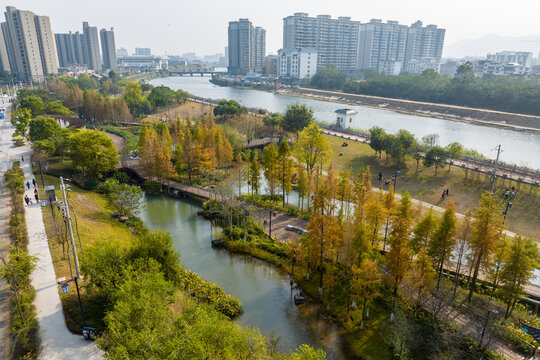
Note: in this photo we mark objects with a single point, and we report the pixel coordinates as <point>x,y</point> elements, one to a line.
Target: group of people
<point>27,199</point>
<point>507,192</point>
<point>445,193</point>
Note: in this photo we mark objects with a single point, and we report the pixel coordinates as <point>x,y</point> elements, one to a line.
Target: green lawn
<point>423,185</point>
<point>93,222</point>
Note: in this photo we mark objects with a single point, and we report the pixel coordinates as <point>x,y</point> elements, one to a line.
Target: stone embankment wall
<point>459,113</point>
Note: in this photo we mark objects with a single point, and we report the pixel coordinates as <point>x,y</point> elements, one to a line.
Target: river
<point>519,148</point>
<point>263,289</point>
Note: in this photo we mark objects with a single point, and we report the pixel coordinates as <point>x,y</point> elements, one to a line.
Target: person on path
<point>447,192</point>
<point>26,200</point>
<point>513,188</point>
<point>506,193</point>
<point>513,193</point>
<point>443,193</point>
<point>28,184</point>
<point>37,197</point>
<point>34,182</point>
<point>22,158</point>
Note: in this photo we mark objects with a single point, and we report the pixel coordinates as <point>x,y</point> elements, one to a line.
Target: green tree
<point>312,147</point>
<point>499,258</point>
<point>270,168</point>
<point>422,232</point>
<point>285,169</point>
<point>275,121</point>
<point>138,105</point>
<point>329,78</point>
<point>398,257</point>
<point>254,173</point>
<point>56,108</point>
<point>229,108</point>
<point>518,270</point>
<point>34,104</point>
<point>454,150</point>
<point>93,151</point>
<point>487,227</point>
<point>443,240</point>
<point>376,136</point>
<point>297,117</point>
<point>435,156</point>
<point>125,198</point>
<point>43,128</point>
<point>22,120</point>
<point>44,146</point>
<point>402,146</point>
<point>366,279</point>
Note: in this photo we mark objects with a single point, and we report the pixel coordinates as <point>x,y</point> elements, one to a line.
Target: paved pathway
<point>57,341</point>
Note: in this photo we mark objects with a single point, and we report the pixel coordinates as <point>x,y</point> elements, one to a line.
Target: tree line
<point>518,95</point>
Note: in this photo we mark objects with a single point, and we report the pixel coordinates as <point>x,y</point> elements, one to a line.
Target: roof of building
<point>346,111</point>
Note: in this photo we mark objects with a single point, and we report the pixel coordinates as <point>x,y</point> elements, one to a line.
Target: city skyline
<point>165,31</point>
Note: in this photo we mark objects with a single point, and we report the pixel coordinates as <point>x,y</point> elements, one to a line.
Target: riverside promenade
<point>57,343</point>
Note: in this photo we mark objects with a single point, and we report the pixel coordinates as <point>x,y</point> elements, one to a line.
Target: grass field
<point>187,110</point>
<point>523,217</point>
<point>94,222</point>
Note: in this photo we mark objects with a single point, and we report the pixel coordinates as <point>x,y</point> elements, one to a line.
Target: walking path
<point>57,342</point>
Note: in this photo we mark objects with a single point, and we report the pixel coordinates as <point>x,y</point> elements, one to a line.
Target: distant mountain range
<point>492,43</point>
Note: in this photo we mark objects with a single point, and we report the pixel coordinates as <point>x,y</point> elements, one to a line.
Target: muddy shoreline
<point>516,122</point>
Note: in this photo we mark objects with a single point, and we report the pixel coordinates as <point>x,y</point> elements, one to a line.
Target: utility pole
<point>495,169</point>
<point>74,249</point>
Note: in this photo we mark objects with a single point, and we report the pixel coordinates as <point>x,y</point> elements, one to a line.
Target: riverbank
<point>517,122</point>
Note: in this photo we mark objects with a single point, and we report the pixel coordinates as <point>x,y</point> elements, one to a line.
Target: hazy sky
<point>180,26</point>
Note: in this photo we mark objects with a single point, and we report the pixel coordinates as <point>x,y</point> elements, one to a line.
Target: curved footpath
<point>57,341</point>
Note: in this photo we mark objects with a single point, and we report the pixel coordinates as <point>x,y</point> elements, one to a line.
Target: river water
<point>519,148</point>
<point>264,290</point>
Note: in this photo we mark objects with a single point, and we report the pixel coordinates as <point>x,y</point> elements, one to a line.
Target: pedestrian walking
<point>443,193</point>
<point>26,200</point>
<point>37,197</point>
<point>506,193</point>
<point>447,192</point>
<point>513,188</point>
<point>513,193</point>
<point>34,182</point>
<point>28,184</point>
<point>22,158</point>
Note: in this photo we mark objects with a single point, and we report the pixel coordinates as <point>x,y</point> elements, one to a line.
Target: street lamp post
<point>395,180</point>
<point>270,223</point>
<point>490,312</point>
<point>505,211</point>
<point>73,248</point>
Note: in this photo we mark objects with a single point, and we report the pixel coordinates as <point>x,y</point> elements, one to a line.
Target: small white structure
<point>345,117</point>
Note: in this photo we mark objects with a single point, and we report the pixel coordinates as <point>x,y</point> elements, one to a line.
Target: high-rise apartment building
<point>108,48</point>
<point>4,60</point>
<point>247,47</point>
<point>143,52</point>
<point>71,50</point>
<point>47,45</point>
<point>260,49</point>
<point>382,46</point>
<point>91,46</point>
<point>30,45</point>
<point>334,40</point>
<point>424,44</point>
